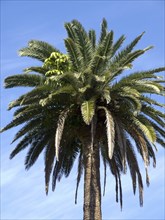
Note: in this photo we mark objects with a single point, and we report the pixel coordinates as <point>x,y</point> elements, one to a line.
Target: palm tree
<point>84,104</point>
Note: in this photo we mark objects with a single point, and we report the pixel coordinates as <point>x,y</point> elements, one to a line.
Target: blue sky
<point>22,193</point>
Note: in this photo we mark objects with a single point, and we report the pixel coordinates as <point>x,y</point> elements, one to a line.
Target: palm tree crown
<point>86,93</point>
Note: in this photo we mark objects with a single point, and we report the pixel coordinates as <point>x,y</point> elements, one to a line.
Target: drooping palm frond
<point>49,161</point>
<point>134,170</point>
<point>88,110</point>
<point>103,154</point>
<point>59,130</point>
<point>26,140</point>
<point>35,150</point>
<point>121,141</point>
<point>79,174</point>
<point>66,158</point>
<point>31,125</point>
<point>110,131</point>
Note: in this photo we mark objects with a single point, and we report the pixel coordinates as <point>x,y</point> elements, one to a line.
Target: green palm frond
<point>154,114</point>
<point>102,53</point>
<point>26,140</point>
<point>30,80</point>
<point>117,45</point>
<point>145,128</point>
<point>73,54</point>
<point>35,95</point>
<point>130,96</point>
<point>104,31</point>
<point>88,110</point>
<point>128,49</point>
<point>31,125</point>
<point>151,101</point>
<point>118,64</point>
<point>69,26</point>
<point>35,150</point>
<point>130,79</point>
<point>92,38</point>
<point>158,129</point>
<point>20,120</point>
<point>38,49</point>
<point>83,43</point>
<point>149,126</point>
<point>143,74</point>
<point>37,69</point>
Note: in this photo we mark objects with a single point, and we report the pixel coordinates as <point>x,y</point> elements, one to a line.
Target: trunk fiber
<point>92,188</point>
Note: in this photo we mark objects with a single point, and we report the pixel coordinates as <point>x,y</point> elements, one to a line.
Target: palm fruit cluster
<point>57,64</point>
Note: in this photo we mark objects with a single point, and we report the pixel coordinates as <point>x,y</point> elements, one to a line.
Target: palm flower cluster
<point>86,96</point>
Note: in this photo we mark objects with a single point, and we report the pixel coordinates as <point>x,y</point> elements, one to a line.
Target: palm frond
<point>117,45</point>
<point>59,130</point>
<point>135,171</point>
<point>30,80</point>
<point>79,174</point>
<point>88,110</point>
<point>31,125</point>
<point>104,27</point>
<point>105,175</point>
<point>121,140</point>
<point>102,53</point>
<point>73,54</point>
<point>151,101</point>
<point>128,48</point>
<point>110,131</point>
<point>35,150</point>
<point>118,64</point>
<point>92,38</point>
<point>149,126</point>
<point>154,114</point>
<point>49,160</point>
<point>26,140</point>
<point>37,69</point>
<point>83,42</point>
<point>38,49</point>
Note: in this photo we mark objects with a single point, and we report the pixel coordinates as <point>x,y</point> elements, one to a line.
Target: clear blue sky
<point>22,193</point>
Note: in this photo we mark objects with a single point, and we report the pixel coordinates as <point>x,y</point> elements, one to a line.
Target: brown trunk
<point>92,189</point>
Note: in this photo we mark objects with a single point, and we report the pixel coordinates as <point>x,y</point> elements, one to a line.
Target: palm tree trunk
<point>92,189</point>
